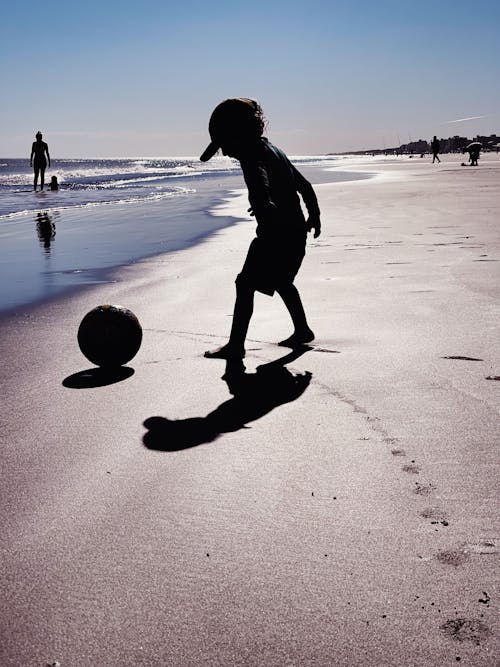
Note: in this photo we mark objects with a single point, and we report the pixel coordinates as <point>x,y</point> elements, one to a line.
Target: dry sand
<point>354,525</point>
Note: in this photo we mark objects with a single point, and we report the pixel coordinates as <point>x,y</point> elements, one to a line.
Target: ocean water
<point>108,213</point>
<point>85,182</point>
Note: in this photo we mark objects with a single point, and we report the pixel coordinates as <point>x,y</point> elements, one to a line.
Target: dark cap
<point>233,118</point>
<point>209,151</point>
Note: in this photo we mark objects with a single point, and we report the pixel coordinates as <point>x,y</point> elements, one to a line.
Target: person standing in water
<point>275,255</point>
<point>37,159</point>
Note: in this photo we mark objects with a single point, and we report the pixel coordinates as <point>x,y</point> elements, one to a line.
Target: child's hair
<point>235,117</point>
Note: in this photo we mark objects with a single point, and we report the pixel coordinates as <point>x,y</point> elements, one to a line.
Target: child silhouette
<point>275,255</point>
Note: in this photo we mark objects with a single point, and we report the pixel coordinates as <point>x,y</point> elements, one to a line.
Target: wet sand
<point>342,513</point>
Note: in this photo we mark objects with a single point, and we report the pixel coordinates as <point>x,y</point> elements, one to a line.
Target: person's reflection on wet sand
<point>46,229</point>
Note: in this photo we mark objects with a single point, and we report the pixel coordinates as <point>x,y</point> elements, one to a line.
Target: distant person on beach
<point>435,147</point>
<point>37,159</point>
<point>275,255</point>
<point>54,185</point>
<point>474,150</point>
<point>474,155</point>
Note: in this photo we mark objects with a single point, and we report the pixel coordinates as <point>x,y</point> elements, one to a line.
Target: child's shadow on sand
<point>254,395</point>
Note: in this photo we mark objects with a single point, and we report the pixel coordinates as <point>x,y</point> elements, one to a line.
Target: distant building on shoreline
<point>453,144</point>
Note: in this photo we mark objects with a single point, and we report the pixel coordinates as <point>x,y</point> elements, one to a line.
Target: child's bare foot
<point>298,338</point>
<point>227,351</point>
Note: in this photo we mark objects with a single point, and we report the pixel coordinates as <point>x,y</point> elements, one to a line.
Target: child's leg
<point>302,333</point>
<point>243,310</point>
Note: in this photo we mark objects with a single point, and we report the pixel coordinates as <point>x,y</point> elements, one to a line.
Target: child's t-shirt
<point>274,185</point>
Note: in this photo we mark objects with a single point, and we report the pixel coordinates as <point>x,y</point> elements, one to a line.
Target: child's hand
<point>314,223</point>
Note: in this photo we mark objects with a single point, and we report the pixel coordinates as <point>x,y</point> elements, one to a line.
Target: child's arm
<point>257,182</point>
<point>307,193</point>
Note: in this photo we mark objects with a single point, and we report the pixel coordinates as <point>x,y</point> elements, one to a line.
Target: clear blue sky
<point>141,78</point>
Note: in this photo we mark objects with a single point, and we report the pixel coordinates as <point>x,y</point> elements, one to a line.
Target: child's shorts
<point>272,262</point>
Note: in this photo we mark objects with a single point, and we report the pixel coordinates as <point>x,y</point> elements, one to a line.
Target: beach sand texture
<point>354,525</point>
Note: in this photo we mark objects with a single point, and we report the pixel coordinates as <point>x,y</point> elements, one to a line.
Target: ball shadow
<point>97,377</point>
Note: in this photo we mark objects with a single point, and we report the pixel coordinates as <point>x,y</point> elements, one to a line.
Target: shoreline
<point>78,270</point>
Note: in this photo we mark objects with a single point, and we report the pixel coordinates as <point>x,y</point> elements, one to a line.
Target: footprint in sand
<point>485,547</point>
<point>466,629</point>
<point>424,489</point>
<point>398,452</point>
<point>454,557</point>
<point>436,515</point>
<point>411,468</point>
